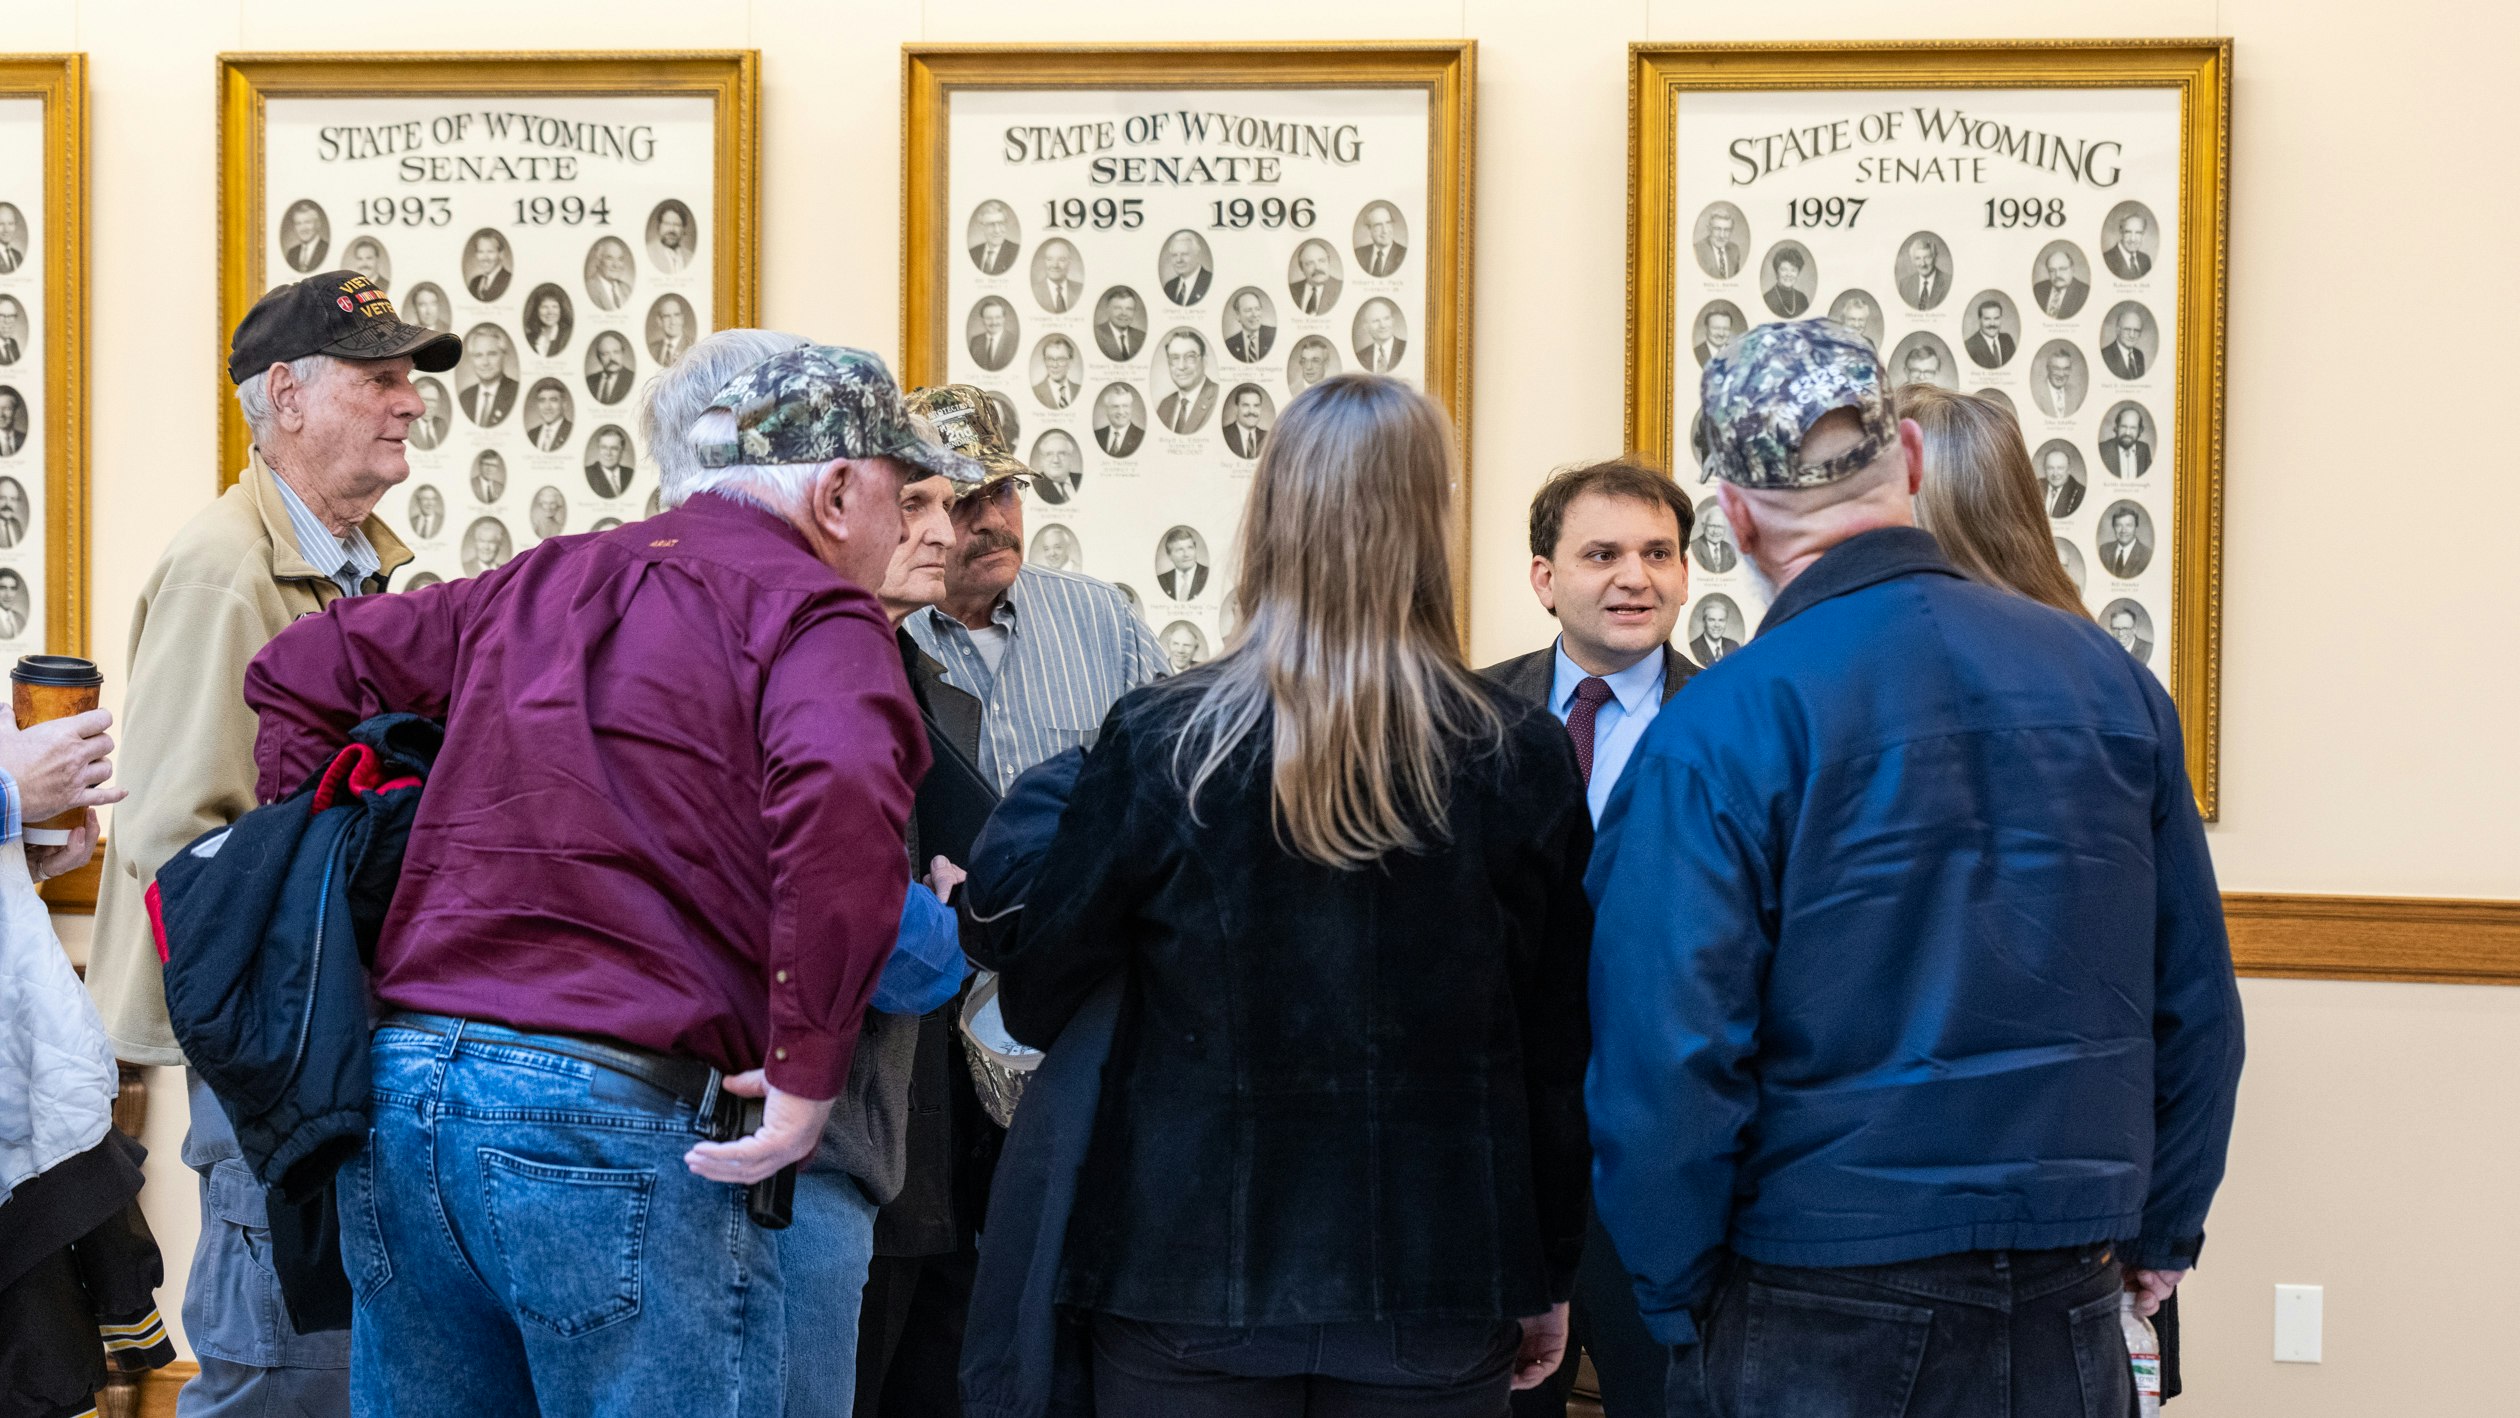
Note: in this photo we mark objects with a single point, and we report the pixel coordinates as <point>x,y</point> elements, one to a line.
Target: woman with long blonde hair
<point>1340,1155</point>
<point>1980,499</point>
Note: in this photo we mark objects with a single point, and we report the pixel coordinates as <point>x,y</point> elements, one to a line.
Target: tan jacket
<point>231,580</point>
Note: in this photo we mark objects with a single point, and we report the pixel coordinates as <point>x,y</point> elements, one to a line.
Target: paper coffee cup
<point>46,687</point>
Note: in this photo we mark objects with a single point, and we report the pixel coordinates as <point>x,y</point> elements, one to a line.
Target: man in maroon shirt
<point>660,858</point>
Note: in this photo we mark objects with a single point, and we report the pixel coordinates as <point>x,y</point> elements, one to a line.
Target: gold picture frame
<point>59,82</point>
<point>932,74</point>
<point>730,78</point>
<point>2198,70</point>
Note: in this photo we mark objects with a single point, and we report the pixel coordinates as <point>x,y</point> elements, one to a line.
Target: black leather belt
<point>686,1080</point>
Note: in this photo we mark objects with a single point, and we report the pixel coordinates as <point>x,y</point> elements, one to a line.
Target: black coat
<point>1333,1096</point>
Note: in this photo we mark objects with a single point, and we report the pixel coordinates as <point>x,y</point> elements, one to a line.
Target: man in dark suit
<point>549,431</point>
<point>307,244</point>
<point>610,383</point>
<point>13,239</point>
<point>1316,287</point>
<point>486,270</point>
<point>1381,255</point>
<point>1250,339</point>
<point>1057,289</point>
<point>2125,553</point>
<point>1719,255</point>
<point>995,251</point>
<point>12,329</point>
<point>2060,296</point>
<point>429,430</point>
<point>1609,560</point>
<point>1713,544</point>
<point>492,395</point>
<point>1058,387</point>
<point>1123,327</point>
<point>1121,430</point>
<point>992,345</point>
<point>606,473</point>
<point>1714,639</point>
<point>1194,394</point>
<point>1243,433</point>
<point>2127,259</point>
<point>2125,355</point>
<point>1186,274</point>
<point>2122,629</point>
<point>2059,488</point>
<point>1786,297</point>
<point>1379,352</point>
<point>2126,454</point>
<point>1187,576</point>
<point>1923,281</point>
<point>1988,344</point>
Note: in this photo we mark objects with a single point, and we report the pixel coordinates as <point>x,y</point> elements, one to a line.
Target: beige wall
<point>2365,743</point>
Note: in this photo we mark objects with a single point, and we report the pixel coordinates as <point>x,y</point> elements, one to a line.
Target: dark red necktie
<point>1590,694</point>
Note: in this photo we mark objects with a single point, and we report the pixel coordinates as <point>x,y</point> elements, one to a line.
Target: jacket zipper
<point>315,969</point>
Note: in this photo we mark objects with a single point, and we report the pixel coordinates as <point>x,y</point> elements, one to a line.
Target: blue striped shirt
<point>1073,648</point>
<point>9,810</point>
<point>346,561</point>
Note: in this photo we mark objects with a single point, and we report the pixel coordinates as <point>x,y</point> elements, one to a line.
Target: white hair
<point>253,397</point>
<point>776,488</point>
<point>675,400</point>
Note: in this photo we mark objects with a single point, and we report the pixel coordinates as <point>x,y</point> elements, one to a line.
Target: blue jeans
<point>1983,1334</point>
<point>824,1253</point>
<point>522,1236</point>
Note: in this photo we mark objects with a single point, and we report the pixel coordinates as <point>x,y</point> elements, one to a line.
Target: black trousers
<point>1630,1362</point>
<point>910,1335</point>
<point>1984,1334</point>
<point>1401,1369</point>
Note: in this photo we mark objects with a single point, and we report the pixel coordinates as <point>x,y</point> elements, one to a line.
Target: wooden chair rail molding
<point>2438,939</point>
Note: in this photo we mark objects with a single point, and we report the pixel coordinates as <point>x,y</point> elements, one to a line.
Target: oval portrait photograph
<point>305,236</point>
<point>992,236</point>
<point>1381,239</point>
<point>1788,280</point>
<point>1720,238</point>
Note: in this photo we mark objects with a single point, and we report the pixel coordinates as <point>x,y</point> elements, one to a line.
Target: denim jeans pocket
<point>571,1239</point>
<point>1451,1351</point>
<point>363,1250</point>
<point>1190,1341</point>
<point>1832,1354</point>
<point>2108,1377</point>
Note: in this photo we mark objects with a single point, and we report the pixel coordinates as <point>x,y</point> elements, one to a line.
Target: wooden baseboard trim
<point>2417,938</point>
<point>158,1386</point>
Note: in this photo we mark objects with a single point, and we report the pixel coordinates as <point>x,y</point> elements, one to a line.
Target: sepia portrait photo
<point>1314,360</point>
<point>548,513</point>
<point>2060,280</point>
<point>1054,372</point>
<point>1994,330</point>
<point>991,236</point>
<point>1381,239</point>
<point>489,476</point>
<point>1313,278</point>
<point>15,421</point>
<point>2126,540</point>
<point>1119,420</point>
<point>1721,240</point>
<point>2126,440</point>
<point>610,367</point>
<point>670,326</point>
<point>425,514</point>
<point>2129,241</point>
<point>1714,629</point>
<point>1711,543</point>
<point>1058,466</point>
<point>305,236</point>
<point>611,275</point>
<point>1923,358</point>
<point>485,383</point>
<point>1923,270</point>
<point>436,409</point>
<point>1184,645</point>
<point>488,264</point>
<point>1181,563</point>
<point>1120,323</point>
<point>2131,626</point>
<point>1058,276</point>
<point>1857,313</point>
<point>548,319</point>
<point>1250,325</point>
<point>1382,336</point>
<point>2133,340</point>
<point>609,470</point>
<point>1055,548</point>
<point>487,545</point>
<point>1185,394</point>
<point>991,332</point>
<point>673,238</point>
<point>2062,481</point>
<point>1184,267</point>
<point>549,415</point>
<point>426,305</point>
<point>2059,380</point>
<point>366,255</point>
<point>1717,325</point>
<point>1788,280</point>
<point>17,513</point>
<point>1249,415</point>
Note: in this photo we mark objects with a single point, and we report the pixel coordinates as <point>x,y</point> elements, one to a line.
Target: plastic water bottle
<point>2143,1347</point>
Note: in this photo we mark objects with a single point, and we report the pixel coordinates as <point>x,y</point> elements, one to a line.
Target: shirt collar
<point>1634,687</point>
<point>1865,559</point>
<point>328,554</point>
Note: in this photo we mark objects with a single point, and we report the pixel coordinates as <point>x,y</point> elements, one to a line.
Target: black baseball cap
<point>337,313</point>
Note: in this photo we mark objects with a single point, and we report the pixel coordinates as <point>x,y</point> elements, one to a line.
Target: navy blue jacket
<point>1907,943</point>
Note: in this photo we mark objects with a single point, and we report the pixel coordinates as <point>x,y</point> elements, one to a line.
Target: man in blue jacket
<point>1915,1030</point>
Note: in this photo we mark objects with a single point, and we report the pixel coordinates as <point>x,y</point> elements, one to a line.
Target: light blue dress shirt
<point>1636,696</point>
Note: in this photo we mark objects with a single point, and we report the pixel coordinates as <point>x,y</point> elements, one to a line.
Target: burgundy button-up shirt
<point>679,756</point>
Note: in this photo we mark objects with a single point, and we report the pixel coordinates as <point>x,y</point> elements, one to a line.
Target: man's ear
<point>1544,583</point>
<point>1912,443</point>
<point>282,390</point>
<point>828,497</point>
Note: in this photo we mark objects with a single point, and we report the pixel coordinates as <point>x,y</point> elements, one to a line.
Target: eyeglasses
<point>997,495</point>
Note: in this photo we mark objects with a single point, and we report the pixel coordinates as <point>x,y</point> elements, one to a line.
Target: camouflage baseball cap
<point>968,423</point>
<point>1761,396</point>
<point>820,402</point>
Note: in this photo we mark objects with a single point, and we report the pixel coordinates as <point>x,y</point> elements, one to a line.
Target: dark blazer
<point>2108,462</point>
<point>997,266</point>
<point>1251,347</point>
<point>1119,341</point>
<point>2127,265</point>
<point>1708,652</point>
<point>1329,296</point>
<point>1531,677</point>
<point>1990,353</point>
<point>1120,439</point>
<point>1333,1095</point>
<point>1197,289</point>
<point>1170,581</point>
<point>2076,292</point>
<point>2123,362</point>
<point>2062,502</point>
<point>1788,301</point>
<point>487,411</point>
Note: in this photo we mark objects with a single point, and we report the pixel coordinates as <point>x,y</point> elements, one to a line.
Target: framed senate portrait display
<point>579,219</point>
<point>1143,254</point>
<point>43,361</point>
<point>2042,224</point>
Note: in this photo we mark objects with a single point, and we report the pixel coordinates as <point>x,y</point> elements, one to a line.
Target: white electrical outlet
<point>2298,1322</point>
